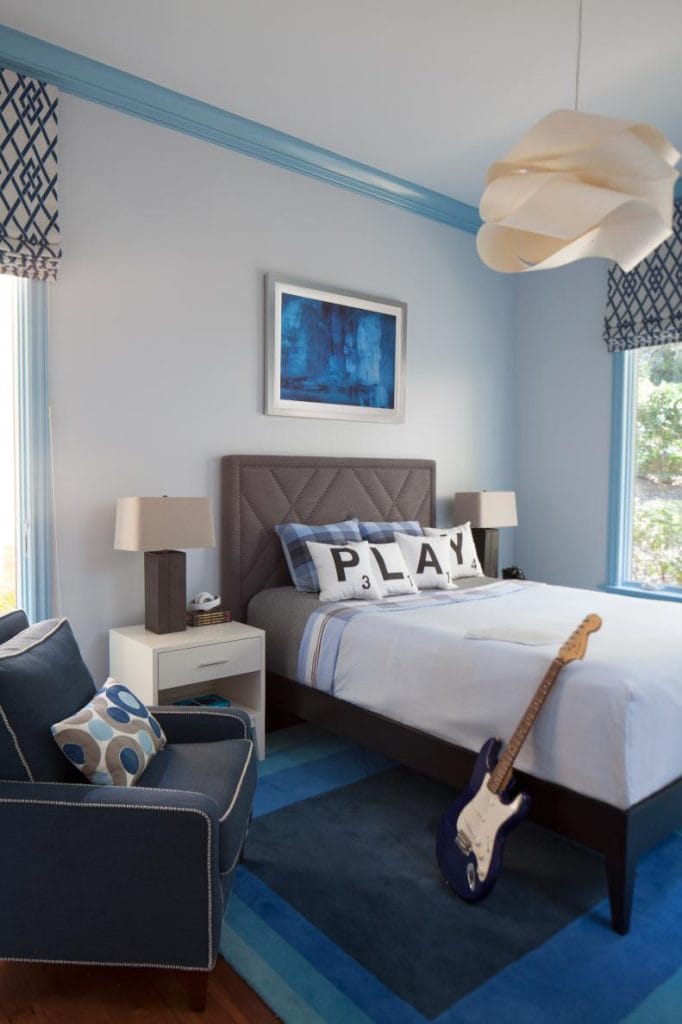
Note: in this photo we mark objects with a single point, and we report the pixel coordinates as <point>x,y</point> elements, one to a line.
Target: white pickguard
<point>480,821</point>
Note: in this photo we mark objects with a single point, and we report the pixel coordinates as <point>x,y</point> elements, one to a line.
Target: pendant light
<point>578,185</point>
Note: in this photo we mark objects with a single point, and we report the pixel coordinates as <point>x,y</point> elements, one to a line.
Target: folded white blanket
<point>514,635</point>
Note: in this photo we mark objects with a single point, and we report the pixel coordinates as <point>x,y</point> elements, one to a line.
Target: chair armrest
<point>202,725</point>
<point>109,875</point>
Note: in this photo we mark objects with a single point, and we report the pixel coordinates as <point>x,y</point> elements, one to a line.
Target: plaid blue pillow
<point>384,533</point>
<point>294,538</point>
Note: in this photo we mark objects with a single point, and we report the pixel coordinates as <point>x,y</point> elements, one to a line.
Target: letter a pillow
<point>428,560</point>
<point>463,558</point>
<point>344,571</point>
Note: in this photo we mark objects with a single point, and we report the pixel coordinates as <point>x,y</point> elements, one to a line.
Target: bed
<point>630,810</point>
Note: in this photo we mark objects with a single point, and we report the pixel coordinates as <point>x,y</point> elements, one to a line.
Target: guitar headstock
<point>576,645</point>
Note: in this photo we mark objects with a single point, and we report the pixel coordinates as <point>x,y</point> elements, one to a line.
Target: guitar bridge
<point>463,843</point>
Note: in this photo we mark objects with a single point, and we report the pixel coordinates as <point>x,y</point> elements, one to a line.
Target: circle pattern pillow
<point>112,739</point>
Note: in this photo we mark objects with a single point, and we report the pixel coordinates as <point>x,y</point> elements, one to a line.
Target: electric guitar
<point>472,832</point>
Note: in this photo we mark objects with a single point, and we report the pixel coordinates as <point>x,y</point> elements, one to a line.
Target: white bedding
<point>612,726</point>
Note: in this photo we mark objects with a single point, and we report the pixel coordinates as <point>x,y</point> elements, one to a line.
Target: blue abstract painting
<point>337,354</point>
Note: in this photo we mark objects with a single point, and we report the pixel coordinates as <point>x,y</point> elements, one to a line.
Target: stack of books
<point>208,618</point>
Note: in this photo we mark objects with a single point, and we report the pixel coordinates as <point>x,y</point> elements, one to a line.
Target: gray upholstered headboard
<point>259,491</point>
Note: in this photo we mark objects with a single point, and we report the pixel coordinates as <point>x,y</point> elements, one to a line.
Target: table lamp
<point>158,526</point>
<point>487,511</point>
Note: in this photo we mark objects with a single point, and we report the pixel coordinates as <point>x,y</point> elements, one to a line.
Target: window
<point>25,491</point>
<point>645,530</point>
<point>8,515</point>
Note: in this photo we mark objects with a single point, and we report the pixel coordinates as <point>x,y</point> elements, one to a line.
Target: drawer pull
<point>210,664</point>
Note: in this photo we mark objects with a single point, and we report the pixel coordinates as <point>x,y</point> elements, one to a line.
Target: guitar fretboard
<point>502,771</point>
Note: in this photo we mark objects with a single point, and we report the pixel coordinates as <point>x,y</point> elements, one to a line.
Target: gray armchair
<point>129,876</point>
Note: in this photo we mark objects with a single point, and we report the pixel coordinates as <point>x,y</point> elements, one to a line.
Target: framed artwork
<point>333,354</point>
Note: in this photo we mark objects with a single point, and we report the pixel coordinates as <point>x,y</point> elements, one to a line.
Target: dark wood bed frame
<point>260,491</point>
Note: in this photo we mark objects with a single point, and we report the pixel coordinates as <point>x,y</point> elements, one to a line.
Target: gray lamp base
<point>165,591</point>
<point>487,543</point>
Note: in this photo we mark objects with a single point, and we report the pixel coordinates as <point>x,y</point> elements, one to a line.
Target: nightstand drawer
<point>210,661</point>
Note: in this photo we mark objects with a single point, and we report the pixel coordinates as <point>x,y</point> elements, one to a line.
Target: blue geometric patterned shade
<point>644,306</point>
<point>29,228</point>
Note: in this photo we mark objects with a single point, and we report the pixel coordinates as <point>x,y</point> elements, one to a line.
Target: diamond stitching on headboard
<point>260,491</point>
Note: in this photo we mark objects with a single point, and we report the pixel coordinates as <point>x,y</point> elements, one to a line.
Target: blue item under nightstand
<point>205,700</point>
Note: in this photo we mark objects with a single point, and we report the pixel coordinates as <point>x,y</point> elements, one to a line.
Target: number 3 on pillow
<point>344,571</point>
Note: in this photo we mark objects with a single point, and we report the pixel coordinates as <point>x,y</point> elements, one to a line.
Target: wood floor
<point>53,994</point>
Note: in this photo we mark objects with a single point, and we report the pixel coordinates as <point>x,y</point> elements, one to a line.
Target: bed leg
<point>620,874</point>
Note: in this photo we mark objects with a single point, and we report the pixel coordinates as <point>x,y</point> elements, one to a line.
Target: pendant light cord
<point>579,45</point>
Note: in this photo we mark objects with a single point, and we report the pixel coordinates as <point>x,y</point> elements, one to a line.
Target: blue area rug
<point>339,913</point>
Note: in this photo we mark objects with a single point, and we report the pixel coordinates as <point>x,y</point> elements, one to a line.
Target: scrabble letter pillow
<point>428,561</point>
<point>463,558</point>
<point>345,571</point>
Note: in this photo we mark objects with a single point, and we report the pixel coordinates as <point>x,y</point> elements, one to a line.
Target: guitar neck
<point>502,771</point>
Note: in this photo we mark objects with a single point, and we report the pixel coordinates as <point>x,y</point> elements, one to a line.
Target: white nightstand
<point>161,668</point>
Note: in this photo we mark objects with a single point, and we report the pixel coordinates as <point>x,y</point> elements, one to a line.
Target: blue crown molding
<point>91,80</point>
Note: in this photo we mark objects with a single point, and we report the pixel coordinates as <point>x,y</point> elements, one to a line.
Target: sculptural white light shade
<point>578,185</point>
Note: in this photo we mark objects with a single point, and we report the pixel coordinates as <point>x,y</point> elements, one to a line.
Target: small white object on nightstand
<point>162,668</point>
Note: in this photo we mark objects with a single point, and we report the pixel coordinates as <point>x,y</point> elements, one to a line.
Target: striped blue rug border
<point>585,974</point>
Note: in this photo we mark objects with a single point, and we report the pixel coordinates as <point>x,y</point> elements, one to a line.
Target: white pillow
<point>428,560</point>
<point>463,558</point>
<point>345,571</point>
<point>390,570</point>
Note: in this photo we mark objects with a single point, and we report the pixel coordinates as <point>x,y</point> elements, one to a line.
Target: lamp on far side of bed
<point>487,511</point>
<point>157,526</point>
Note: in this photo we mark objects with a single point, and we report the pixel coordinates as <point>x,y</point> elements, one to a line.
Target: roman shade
<point>644,306</point>
<point>29,227</point>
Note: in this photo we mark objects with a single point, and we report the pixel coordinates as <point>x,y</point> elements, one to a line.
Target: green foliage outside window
<point>657,521</point>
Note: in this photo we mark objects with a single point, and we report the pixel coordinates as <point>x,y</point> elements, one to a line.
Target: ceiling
<point>428,90</point>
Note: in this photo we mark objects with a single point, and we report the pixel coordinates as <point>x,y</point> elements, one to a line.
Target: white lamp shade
<point>163,524</point>
<point>578,185</point>
<point>485,509</point>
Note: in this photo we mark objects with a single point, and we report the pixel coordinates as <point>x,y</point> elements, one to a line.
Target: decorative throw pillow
<point>294,537</point>
<point>384,533</point>
<point>43,678</point>
<point>112,739</point>
<point>463,558</point>
<point>390,570</point>
<point>345,571</point>
<point>428,561</point>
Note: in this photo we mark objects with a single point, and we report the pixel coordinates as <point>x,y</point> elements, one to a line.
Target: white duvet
<point>612,725</point>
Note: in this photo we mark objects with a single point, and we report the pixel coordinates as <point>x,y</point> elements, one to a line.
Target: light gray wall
<point>156,340</point>
<point>562,424</point>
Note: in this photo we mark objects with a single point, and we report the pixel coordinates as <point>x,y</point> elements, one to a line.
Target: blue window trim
<point>34,505</point>
<point>622,486</point>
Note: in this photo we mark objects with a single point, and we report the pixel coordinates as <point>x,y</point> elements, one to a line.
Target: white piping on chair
<point>102,963</point>
<point>191,712</point>
<point>241,779</point>
<point>29,647</point>
<point>134,807</point>
<point>15,741</point>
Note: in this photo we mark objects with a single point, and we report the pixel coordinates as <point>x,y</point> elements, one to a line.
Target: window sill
<point>635,590</point>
